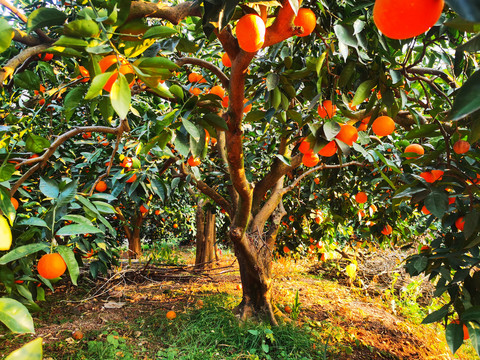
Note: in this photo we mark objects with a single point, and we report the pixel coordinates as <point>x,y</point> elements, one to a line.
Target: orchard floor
<point>123,317</point>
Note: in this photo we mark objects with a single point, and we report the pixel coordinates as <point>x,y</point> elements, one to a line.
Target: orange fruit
<point>200,303</point>
<point>310,159</point>
<point>107,63</point>
<point>101,186</point>
<point>225,102</point>
<point>217,90</point>
<point>348,134</point>
<point>427,176</point>
<point>171,315</point>
<point>83,74</point>
<point>194,77</point>
<point>248,107</point>
<point>326,109</point>
<point>195,91</point>
<point>288,309</point>
<point>143,209</point>
<point>329,150</point>
<point>250,31</point>
<point>14,202</point>
<point>207,136</point>
<point>461,147</point>
<point>77,335</point>
<point>425,210</point>
<point>383,126</point>
<point>286,250</point>
<point>132,178</point>
<point>127,162</point>
<point>45,56</point>
<point>460,223</point>
<point>51,266</point>
<point>175,226</point>
<point>361,197</point>
<point>425,248</point>
<point>406,19</point>
<point>305,147</point>
<point>387,230</point>
<point>307,20</point>
<point>291,218</point>
<point>87,135</point>
<point>157,212</point>
<point>226,60</point>
<point>414,148</point>
<point>194,161</point>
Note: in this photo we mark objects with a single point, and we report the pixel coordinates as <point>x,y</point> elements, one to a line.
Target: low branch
<point>42,160</point>
<point>18,60</point>
<point>174,14</point>
<point>428,71</point>
<point>207,65</point>
<point>22,37</point>
<point>283,27</point>
<point>318,168</point>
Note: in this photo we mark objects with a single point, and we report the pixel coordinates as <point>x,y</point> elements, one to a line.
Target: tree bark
<point>205,249</point>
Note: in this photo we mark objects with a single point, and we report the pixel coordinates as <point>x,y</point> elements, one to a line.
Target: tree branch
<point>174,14</point>
<point>427,71</point>
<point>207,65</point>
<point>18,60</point>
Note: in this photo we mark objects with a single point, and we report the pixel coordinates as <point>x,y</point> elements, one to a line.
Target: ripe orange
<point>207,136</point>
<point>326,109</point>
<point>226,60</point>
<point>305,147</point>
<point>425,210</point>
<point>175,226</point>
<point>125,68</point>
<point>387,230</point>
<point>466,335</point>
<point>406,19</point>
<point>461,147</point>
<point>250,31</point>
<point>225,102</point>
<point>248,107</point>
<point>427,176</point>
<point>383,126</point>
<point>194,77</point>
<point>77,335</point>
<point>348,134</point>
<point>414,148</point>
<point>101,186</point>
<point>361,197</point>
<point>288,309</point>
<point>51,266</point>
<point>171,315</point>
<point>307,20</point>
<point>195,91</point>
<point>132,178</point>
<point>87,135</point>
<point>425,248</point>
<point>157,212</point>
<point>286,250</point>
<point>217,90</point>
<point>310,159</point>
<point>143,209</point>
<point>45,56</point>
<point>14,202</point>
<point>83,74</point>
<point>460,223</point>
<point>194,161</point>
<point>329,150</point>
<point>127,162</point>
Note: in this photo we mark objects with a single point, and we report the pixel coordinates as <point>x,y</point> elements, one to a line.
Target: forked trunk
<point>134,246</point>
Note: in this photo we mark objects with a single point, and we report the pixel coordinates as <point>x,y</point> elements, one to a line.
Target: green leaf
<point>216,121</point>
<point>283,159</point>
<point>49,188</point>
<point>33,221</point>
<point>149,65</point>
<point>437,315</point>
<point>454,335</point>
<point>36,143</point>
<point>466,100</point>
<point>191,129</point>
<point>422,131</point>
<point>79,219</point>
<point>272,81</point>
<point>363,91</point>
<point>159,32</point>
<point>469,10</point>
<point>16,316</point>
<point>28,80</point>
<point>471,46</point>
<point>437,203</point>
<point>72,100</point>
<point>31,351</point>
<point>345,35</point>
<point>45,17</point>
<point>463,25</point>
<point>6,205</point>
<point>6,172</point>
<point>158,188</point>
<point>88,204</point>
<point>471,222</point>
<point>471,314</point>
<point>81,28</point>
<point>120,96</point>
<point>474,332</point>
<point>78,229</point>
<point>104,208</point>
<point>98,82</point>
<point>331,129</point>
<point>66,41</point>
<point>6,35</point>
<point>23,251</point>
<point>68,194</point>
<point>254,115</point>
<point>72,264</point>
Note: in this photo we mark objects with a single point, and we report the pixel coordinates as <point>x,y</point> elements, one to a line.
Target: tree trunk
<point>205,251</point>
<point>134,244</point>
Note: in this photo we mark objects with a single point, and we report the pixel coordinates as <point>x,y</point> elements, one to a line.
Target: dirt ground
<point>375,331</point>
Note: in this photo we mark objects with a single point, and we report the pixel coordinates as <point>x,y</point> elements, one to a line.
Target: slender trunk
<point>205,253</point>
<point>134,244</point>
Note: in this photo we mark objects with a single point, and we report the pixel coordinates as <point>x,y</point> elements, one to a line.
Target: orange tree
<point>292,90</point>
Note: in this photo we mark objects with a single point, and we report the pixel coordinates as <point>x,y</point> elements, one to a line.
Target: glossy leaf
<point>49,188</point>
<point>363,91</point>
<point>6,35</point>
<point>36,143</point>
<point>120,96</point>
<point>45,17</point>
<point>469,10</point>
<point>22,251</point>
<point>467,100</point>
<point>72,264</point>
<point>31,351</point>
<point>454,335</point>
<point>159,32</point>
<point>15,316</point>
<point>78,229</point>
